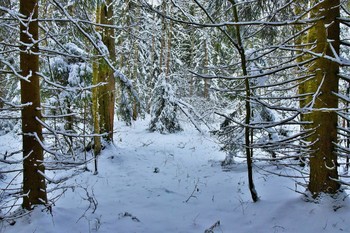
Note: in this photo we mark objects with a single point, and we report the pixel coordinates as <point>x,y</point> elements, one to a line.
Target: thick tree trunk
<point>104,96</point>
<point>106,73</point>
<point>34,187</point>
<point>323,159</point>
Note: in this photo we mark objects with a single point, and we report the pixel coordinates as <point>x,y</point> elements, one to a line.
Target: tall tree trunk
<point>299,41</point>
<point>169,35</point>
<point>34,186</point>
<point>191,52</point>
<point>135,60</point>
<point>152,69</point>
<point>104,96</point>
<point>136,104</point>
<point>206,64</point>
<point>325,37</point>
<point>2,95</point>
<point>95,109</point>
<point>248,131</point>
<point>162,41</point>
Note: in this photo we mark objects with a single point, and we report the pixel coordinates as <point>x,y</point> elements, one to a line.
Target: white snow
<point>154,2</point>
<point>150,183</point>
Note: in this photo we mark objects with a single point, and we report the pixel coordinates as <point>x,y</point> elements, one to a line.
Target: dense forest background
<point>269,79</point>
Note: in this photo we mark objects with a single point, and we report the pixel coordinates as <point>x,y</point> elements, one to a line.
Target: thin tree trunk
<point>135,65</point>
<point>191,56</point>
<point>162,41</point>
<point>2,94</point>
<point>152,70</point>
<point>299,41</point>
<point>347,125</point>
<point>206,63</point>
<point>299,45</point>
<point>136,105</point>
<point>247,130</point>
<point>169,35</point>
<point>95,101</point>
<point>95,110</point>
<point>34,186</point>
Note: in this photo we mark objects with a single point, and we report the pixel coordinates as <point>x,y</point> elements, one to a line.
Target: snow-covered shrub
<point>266,139</point>
<point>164,108</point>
<point>70,95</point>
<point>125,110</point>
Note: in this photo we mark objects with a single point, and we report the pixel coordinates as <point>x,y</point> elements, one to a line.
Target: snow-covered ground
<point>153,183</point>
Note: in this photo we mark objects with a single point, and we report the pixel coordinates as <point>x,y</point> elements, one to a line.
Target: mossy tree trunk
<point>325,39</point>
<point>104,96</point>
<point>34,186</point>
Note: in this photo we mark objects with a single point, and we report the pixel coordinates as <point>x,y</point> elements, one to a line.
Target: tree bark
<point>324,36</point>
<point>162,41</point>
<point>2,95</point>
<point>34,186</point>
<point>248,131</point>
<point>169,38</point>
<point>104,96</point>
<point>299,42</point>
<point>95,109</point>
<point>205,66</point>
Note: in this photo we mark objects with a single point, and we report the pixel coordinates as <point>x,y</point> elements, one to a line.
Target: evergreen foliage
<point>271,76</point>
<point>164,108</point>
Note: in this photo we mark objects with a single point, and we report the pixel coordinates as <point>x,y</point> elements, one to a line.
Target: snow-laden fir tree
<point>72,73</point>
<point>164,108</point>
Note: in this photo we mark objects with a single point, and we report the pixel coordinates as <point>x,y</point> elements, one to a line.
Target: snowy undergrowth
<point>150,183</point>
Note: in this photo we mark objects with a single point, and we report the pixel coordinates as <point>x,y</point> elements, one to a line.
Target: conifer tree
<point>34,186</point>
<point>104,95</point>
<point>324,40</point>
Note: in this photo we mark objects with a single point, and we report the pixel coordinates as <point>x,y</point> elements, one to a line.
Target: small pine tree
<point>164,108</point>
<point>125,110</point>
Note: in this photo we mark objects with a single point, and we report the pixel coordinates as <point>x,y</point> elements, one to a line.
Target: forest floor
<point>154,183</point>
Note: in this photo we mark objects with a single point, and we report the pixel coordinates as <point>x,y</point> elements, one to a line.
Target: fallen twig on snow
<point>211,229</point>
